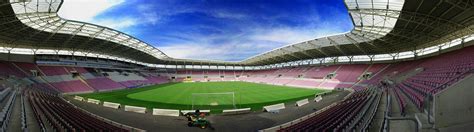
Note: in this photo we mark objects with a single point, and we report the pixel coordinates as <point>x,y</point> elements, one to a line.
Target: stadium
<point>405,65</point>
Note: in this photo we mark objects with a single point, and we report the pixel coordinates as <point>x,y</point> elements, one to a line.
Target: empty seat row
<point>338,117</point>
<point>62,116</point>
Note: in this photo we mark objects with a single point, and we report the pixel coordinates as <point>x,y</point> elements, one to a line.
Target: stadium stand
<point>342,116</point>
<point>103,84</point>
<point>437,74</point>
<point>321,72</point>
<point>26,68</point>
<point>350,73</point>
<point>9,70</point>
<point>62,116</point>
<point>53,70</point>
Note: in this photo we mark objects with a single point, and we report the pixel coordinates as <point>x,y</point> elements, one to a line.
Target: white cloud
<point>118,23</point>
<point>154,14</point>
<point>195,51</point>
<point>229,51</point>
<point>238,46</point>
<point>253,39</point>
<point>284,35</point>
<point>88,10</point>
<point>148,14</point>
<point>227,15</point>
<point>85,10</point>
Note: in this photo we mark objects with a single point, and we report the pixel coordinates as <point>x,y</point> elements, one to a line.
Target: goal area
<point>210,101</point>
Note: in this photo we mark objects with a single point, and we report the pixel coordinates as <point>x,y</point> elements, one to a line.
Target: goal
<point>209,101</point>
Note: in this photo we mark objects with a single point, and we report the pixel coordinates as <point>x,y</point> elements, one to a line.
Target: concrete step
<point>31,122</point>
<point>15,121</point>
<point>379,115</point>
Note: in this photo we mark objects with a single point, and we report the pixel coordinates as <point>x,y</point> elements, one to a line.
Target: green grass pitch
<point>179,95</point>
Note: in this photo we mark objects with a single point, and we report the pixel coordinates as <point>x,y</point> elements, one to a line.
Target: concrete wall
<point>455,105</point>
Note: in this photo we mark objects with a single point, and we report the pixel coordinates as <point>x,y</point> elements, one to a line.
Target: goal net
<point>209,101</point>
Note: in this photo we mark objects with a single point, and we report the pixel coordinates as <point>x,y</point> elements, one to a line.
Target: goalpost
<point>208,101</point>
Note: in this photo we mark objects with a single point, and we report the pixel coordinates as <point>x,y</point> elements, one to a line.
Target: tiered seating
<point>158,79</point>
<point>329,84</point>
<point>320,72</point>
<point>196,74</point>
<point>261,73</point>
<point>6,69</point>
<point>213,73</point>
<point>62,116</point>
<point>401,102</point>
<point>53,70</point>
<point>72,86</point>
<point>78,69</point>
<point>439,72</point>
<point>338,117</point>
<point>229,74</point>
<point>281,81</point>
<point>296,71</point>
<point>103,83</point>
<point>392,70</point>
<point>344,85</point>
<point>128,79</point>
<point>375,68</point>
<point>282,71</point>
<point>350,73</point>
<point>304,83</point>
<point>26,67</point>
<point>182,72</point>
<point>414,96</point>
<point>358,88</point>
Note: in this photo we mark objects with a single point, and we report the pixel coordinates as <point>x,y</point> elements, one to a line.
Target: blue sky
<point>230,30</point>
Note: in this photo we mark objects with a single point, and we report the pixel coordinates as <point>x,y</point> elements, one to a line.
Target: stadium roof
<point>380,27</point>
<point>383,26</point>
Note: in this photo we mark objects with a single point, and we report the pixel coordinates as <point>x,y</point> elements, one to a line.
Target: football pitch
<point>206,95</point>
